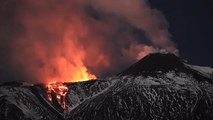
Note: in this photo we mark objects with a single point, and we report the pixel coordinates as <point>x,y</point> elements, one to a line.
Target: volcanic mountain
<point>161,86</point>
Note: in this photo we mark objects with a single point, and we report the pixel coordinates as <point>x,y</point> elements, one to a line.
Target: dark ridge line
<point>34,90</point>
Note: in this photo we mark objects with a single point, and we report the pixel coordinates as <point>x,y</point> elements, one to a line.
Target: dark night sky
<point>191,27</point>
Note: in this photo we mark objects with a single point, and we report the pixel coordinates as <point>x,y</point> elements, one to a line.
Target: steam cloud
<point>52,39</point>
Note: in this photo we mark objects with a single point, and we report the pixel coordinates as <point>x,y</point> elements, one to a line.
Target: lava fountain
<point>60,91</point>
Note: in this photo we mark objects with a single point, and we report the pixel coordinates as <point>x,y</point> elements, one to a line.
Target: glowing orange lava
<point>60,91</point>
<point>69,72</point>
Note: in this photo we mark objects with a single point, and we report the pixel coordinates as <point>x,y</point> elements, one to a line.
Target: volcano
<point>161,86</point>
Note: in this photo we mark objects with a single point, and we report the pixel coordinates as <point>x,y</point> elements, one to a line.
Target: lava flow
<point>59,90</point>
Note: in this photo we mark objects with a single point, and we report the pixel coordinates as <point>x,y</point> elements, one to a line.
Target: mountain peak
<point>155,62</point>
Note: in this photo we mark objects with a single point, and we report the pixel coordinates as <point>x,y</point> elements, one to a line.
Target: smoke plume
<point>72,40</point>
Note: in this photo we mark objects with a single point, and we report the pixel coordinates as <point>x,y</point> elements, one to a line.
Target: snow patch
<point>207,71</point>
<point>140,80</point>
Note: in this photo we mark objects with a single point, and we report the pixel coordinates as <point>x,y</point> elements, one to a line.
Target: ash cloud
<point>52,39</point>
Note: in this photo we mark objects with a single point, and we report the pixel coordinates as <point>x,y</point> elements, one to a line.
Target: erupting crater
<point>56,91</point>
<point>59,90</point>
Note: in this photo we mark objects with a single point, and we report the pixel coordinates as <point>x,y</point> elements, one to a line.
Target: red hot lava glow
<point>60,91</point>
<point>78,40</point>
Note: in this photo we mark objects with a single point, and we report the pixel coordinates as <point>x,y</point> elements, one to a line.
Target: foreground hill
<point>160,87</point>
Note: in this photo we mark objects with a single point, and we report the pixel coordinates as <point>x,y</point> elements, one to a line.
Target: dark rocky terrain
<point>158,87</point>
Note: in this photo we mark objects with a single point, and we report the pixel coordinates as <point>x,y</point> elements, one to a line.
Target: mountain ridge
<point>160,86</point>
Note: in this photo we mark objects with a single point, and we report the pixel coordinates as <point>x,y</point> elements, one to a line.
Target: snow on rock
<point>207,71</point>
<point>26,101</point>
<point>161,87</point>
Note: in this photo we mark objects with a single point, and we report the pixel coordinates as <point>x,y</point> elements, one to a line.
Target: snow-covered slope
<point>158,87</point>
<point>20,103</point>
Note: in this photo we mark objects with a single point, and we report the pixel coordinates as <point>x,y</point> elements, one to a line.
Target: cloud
<point>66,40</point>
